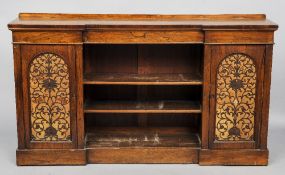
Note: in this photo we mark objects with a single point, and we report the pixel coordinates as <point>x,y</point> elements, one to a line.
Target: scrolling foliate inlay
<point>235,98</point>
<point>49,98</point>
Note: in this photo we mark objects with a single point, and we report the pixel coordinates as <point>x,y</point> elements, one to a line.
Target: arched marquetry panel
<point>49,98</point>
<point>235,98</point>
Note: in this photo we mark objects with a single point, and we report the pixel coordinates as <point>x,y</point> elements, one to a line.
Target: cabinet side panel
<point>266,97</point>
<point>206,93</point>
<point>19,96</point>
<point>80,113</point>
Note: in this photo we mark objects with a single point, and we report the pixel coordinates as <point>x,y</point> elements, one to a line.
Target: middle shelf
<point>173,106</point>
<point>142,99</point>
<point>142,79</point>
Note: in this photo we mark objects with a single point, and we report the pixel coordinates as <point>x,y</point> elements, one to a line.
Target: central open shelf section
<point>142,97</point>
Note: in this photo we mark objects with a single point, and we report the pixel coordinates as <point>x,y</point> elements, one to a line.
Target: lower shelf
<point>142,145</point>
<point>142,137</point>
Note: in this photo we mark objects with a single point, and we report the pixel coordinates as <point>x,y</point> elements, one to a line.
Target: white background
<point>274,9</point>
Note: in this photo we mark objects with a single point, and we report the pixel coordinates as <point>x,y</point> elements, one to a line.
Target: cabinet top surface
<point>138,21</point>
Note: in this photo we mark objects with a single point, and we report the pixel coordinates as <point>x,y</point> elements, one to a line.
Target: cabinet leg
<point>51,157</point>
<point>233,157</point>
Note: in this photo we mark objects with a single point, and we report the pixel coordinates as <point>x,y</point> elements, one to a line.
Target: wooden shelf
<point>143,79</point>
<point>142,137</point>
<point>142,107</point>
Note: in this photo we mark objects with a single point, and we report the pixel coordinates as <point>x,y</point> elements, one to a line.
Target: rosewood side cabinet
<point>105,88</point>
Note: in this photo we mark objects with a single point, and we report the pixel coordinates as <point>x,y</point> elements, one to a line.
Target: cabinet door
<point>236,95</point>
<point>49,96</point>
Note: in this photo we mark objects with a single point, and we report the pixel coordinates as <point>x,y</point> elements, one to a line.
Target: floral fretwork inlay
<point>235,98</point>
<point>49,98</point>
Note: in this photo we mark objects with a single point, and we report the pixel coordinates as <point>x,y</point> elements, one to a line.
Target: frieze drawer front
<point>144,37</point>
<point>109,88</point>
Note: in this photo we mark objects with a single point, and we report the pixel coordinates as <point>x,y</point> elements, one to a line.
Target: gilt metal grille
<point>235,98</point>
<point>49,98</point>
